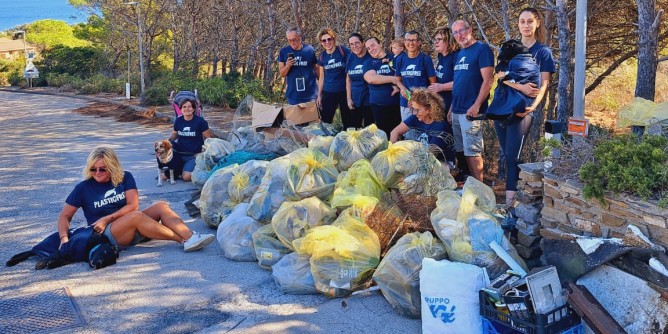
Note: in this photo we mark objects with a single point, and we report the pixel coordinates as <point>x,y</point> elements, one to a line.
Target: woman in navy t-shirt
<point>428,121</point>
<point>188,137</point>
<point>332,79</point>
<point>356,88</point>
<point>513,136</point>
<point>383,92</point>
<point>109,199</point>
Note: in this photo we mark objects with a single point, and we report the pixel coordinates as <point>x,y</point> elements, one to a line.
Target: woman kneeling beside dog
<point>110,202</point>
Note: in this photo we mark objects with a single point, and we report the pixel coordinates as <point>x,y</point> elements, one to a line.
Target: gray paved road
<point>155,287</point>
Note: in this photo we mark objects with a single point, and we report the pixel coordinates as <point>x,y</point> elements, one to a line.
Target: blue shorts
<point>188,163</point>
<point>107,232</point>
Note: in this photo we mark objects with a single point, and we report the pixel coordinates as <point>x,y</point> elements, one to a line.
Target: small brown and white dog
<point>166,161</point>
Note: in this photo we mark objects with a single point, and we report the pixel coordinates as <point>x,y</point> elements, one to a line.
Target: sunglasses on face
<point>325,40</point>
<point>98,170</point>
<point>411,40</point>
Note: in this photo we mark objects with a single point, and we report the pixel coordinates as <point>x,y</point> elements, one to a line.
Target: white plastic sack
<point>268,249</point>
<point>269,195</point>
<point>235,235</point>
<point>215,202</point>
<point>321,143</point>
<point>293,275</point>
<point>449,292</point>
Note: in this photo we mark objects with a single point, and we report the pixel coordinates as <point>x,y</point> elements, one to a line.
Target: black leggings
<point>386,117</point>
<point>511,140</point>
<point>330,101</point>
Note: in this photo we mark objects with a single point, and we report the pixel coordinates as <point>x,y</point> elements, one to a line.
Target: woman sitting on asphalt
<point>110,202</point>
<point>188,137</point>
<point>428,118</point>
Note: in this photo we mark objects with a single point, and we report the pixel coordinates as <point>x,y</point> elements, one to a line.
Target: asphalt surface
<point>155,287</point>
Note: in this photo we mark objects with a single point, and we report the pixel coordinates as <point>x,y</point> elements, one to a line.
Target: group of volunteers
<point>402,90</point>
<point>398,91</point>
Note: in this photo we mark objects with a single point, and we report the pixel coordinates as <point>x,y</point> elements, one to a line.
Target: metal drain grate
<point>44,312</point>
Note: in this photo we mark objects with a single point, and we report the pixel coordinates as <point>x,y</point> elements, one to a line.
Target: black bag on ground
<point>84,245</point>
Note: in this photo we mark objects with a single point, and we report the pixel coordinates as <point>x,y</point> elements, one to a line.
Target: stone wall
<point>566,210</point>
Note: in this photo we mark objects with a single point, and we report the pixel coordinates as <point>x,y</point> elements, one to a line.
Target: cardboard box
<point>266,115</point>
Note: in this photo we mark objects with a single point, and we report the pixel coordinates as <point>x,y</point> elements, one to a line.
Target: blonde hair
<point>431,101</point>
<point>541,31</point>
<point>399,41</point>
<point>110,159</point>
<point>448,39</point>
<point>326,31</point>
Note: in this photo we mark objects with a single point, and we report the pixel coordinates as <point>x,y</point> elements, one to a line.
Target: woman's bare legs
<point>125,228</point>
<point>161,212</point>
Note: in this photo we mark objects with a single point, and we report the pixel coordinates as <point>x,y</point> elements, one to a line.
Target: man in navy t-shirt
<point>474,72</point>
<point>297,64</point>
<point>413,69</point>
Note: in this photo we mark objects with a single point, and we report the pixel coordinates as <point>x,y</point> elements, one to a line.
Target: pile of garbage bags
<point>302,215</point>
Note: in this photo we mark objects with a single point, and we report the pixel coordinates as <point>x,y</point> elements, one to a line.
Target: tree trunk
<point>648,31</point>
<point>399,18</point>
<point>387,37</point>
<point>564,101</point>
<point>214,63</point>
<point>235,48</point>
<point>271,45</point>
<point>296,12</point>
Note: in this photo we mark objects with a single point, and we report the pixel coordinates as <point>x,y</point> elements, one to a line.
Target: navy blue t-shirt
<point>335,69</point>
<point>301,79</point>
<point>100,199</point>
<point>436,131</point>
<point>414,72</point>
<point>190,134</point>
<point>359,89</point>
<point>468,79</point>
<point>445,72</point>
<point>381,94</point>
<point>543,57</point>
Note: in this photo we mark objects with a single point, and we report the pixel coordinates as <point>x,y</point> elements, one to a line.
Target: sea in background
<point>17,12</point>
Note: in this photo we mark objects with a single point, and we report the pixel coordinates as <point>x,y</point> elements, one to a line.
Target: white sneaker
<point>198,241</point>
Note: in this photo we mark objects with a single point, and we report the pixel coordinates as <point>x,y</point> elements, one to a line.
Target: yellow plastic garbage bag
<point>353,145</point>
<point>447,205</point>
<point>343,255</point>
<point>294,219</point>
<point>215,202</point>
<point>246,180</point>
<point>410,167</point>
<point>358,187</point>
<point>398,274</point>
<point>311,173</point>
<point>642,112</point>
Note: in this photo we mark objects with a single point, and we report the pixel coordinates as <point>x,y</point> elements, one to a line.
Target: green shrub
<point>627,164</point>
<point>16,78</point>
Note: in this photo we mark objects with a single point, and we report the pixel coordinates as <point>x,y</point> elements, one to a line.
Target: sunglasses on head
<point>328,39</point>
<point>98,170</point>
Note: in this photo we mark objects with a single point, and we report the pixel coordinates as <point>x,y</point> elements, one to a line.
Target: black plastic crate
<point>556,321</point>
